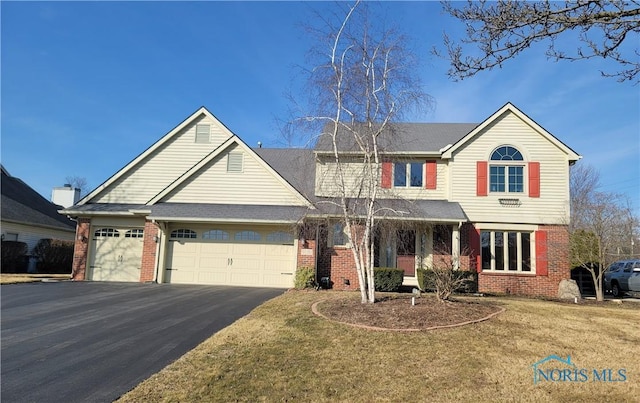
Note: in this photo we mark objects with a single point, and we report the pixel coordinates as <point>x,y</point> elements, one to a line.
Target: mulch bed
<point>397,313</point>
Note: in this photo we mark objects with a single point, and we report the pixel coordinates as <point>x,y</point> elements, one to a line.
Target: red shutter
<point>541,254</point>
<point>431,174</point>
<point>481,178</point>
<point>475,257</point>
<point>386,175</point>
<point>534,179</point>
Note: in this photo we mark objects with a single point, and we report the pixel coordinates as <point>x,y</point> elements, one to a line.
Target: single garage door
<point>258,257</point>
<point>116,254</point>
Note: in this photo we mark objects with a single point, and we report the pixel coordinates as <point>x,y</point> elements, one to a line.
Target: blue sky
<point>87,86</point>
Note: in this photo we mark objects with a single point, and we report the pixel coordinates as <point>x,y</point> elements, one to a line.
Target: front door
<point>406,251</point>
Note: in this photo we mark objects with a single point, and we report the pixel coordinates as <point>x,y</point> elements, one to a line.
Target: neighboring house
<point>28,217</point>
<point>200,206</point>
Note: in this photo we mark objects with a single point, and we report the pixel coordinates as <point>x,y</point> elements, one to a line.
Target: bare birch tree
<point>601,224</point>
<point>501,30</point>
<point>363,78</point>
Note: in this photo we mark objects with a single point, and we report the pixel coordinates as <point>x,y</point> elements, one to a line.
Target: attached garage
<point>116,254</point>
<point>226,255</point>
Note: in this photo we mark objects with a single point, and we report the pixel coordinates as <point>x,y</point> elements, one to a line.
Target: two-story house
<point>200,206</point>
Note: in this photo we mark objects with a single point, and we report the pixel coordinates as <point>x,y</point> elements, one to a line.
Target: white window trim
<point>507,164</point>
<point>232,165</point>
<point>407,172</point>
<point>330,237</point>
<point>199,136</point>
<point>505,250</point>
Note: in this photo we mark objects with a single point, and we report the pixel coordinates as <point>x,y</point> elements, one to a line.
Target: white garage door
<point>227,256</point>
<point>116,254</point>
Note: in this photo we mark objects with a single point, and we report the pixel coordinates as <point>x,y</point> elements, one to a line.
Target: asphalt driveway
<point>93,342</point>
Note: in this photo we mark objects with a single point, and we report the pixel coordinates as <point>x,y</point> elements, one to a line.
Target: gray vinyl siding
<point>552,207</point>
<point>254,185</point>
<point>163,166</point>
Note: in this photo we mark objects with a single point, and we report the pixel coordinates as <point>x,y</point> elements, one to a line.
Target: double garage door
<point>243,256</point>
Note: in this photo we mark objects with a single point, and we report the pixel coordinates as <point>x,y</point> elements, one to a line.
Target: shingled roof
<point>23,205</point>
<point>296,165</point>
<point>404,137</point>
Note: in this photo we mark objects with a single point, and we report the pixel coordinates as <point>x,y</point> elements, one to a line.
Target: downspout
<point>158,248</point>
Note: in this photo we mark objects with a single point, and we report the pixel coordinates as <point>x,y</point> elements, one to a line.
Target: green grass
<point>282,352</point>
<point>10,278</point>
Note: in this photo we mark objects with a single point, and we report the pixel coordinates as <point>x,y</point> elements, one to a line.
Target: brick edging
<point>314,309</point>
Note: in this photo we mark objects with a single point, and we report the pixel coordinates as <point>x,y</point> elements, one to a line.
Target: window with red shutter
<point>386,175</point>
<point>481,178</point>
<point>534,179</point>
<point>431,174</point>
<point>505,251</point>
<point>542,259</point>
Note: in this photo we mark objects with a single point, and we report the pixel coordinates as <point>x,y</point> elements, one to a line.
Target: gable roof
<point>418,138</point>
<point>218,151</point>
<point>167,137</point>
<point>509,107</point>
<point>23,205</point>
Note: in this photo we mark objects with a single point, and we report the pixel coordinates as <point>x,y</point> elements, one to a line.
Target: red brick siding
<point>308,258</point>
<point>336,263</point>
<point>526,284</point>
<point>80,249</point>
<point>149,252</point>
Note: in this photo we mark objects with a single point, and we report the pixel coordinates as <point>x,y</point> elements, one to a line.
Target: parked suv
<point>623,276</point>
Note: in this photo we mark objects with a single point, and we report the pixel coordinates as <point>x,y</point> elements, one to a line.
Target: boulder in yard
<point>568,289</point>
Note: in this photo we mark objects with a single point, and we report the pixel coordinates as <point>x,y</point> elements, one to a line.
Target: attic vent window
<point>234,162</point>
<point>202,133</point>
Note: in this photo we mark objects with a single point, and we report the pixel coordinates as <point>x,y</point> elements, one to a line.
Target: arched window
<point>247,236</point>
<point>107,233</point>
<point>216,235</point>
<point>506,153</point>
<point>506,170</point>
<point>280,237</point>
<point>183,233</point>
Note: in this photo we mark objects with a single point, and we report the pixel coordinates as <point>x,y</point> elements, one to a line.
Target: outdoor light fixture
<point>156,238</point>
<point>82,238</point>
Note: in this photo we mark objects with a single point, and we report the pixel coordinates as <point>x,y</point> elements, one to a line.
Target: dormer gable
<point>164,161</point>
<point>231,174</point>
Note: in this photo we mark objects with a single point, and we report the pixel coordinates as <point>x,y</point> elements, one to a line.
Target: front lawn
<point>10,278</point>
<point>283,352</point>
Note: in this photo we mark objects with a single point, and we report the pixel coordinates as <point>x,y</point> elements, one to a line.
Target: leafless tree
<point>362,78</point>
<point>602,224</point>
<point>501,30</point>
<point>447,278</point>
<point>78,182</point>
